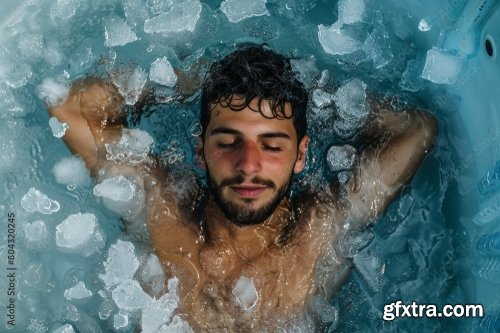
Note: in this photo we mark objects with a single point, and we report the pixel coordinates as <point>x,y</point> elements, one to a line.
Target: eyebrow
<point>266,135</point>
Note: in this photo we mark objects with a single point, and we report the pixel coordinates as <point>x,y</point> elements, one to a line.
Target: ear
<point>200,161</point>
<point>300,163</point>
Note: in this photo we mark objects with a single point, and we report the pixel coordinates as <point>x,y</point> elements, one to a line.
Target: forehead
<point>250,120</point>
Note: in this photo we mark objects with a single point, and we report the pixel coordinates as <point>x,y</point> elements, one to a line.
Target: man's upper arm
<point>401,142</point>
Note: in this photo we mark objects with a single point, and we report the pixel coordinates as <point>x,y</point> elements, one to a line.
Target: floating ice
<point>78,291</point>
<point>321,98</point>
<point>38,276</point>
<point>152,274</point>
<point>8,102</point>
<point>306,70</point>
<point>157,314</point>
<point>129,296</point>
<point>178,325</point>
<point>355,241</point>
<point>162,72</point>
<point>130,83</point>
<point>52,92</point>
<point>120,265</point>
<point>335,42</point>
<point>400,267</point>
<point>325,76</point>
<point>64,329</point>
<point>80,234</point>
<point>18,75</point>
<point>326,312</point>
<point>118,33</point>
<point>377,45</point>
<point>64,9</point>
<point>37,326</point>
<point>351,102</point>
<point>182,17</point>
<point>134,147</point>
<point>442,66</point>
<point>411,80</point>
<point>36,234</point>
<point>341,157</point>
<point>237,10</point>
<point>135,12</point>
<point>71,171</point>
<point>425,24</point>
<point>245,293</point>
<point>351,11</point>
<point>36,201</point>
<point>53,53</point>
<point>31,46</point>
<point>117,188</point>
<point>58,129</point>
<point>120,320</point>
<point>370,268</point>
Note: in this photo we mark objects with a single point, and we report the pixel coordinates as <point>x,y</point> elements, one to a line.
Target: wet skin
<point>249,159</point>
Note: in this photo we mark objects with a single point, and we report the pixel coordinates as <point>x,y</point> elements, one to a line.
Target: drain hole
<point>489,47</point>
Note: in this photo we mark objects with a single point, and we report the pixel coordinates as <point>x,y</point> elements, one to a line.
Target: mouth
<point>248,191</point>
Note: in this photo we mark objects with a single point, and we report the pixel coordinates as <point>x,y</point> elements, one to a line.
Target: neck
<point>252,239</point>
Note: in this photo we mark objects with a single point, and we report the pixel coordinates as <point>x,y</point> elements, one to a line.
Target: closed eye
<point>273,149</point>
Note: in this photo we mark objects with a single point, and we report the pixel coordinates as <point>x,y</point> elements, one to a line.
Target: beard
<point>243,215</point>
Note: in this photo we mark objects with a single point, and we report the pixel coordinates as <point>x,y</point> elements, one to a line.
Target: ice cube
<point>37,326</point>
<point>325,76</point>
<point>237,10</point>
<point>411,80</point>
<point>351,102</point>
<point>351,11</point>
<point>129,296</point>
<point>130,83</point>
<point>78,291</point>
<point>158,312</point>
<point>64,9</point>
<point>36,202</point>
<point>161,71</point>
<point>80,234</point>
<point>18,75</point>
<point>178,325</point>
<point>120,320</point>
<point>58,129</point>
<point>335,42</point>
<point>64,329</point>
<point>425,24</point>
<point>160,6</point>
<point>370,268</point>
<point>36,234</point>
<point>341,158</point>
<point>117,188</point>
<point>117,32</point>
<point>182,17</point>
<point>53,92</point>
<point>245,293</point>
<point>306,70</point>
<point>321,98</point>
<point>38,276</point>
<point>152,274</point>
<point>120,265</point>
<point>31,46</point>
<point>135,12</point>
<point>134,147</point>
<point>71,171</point>
<point>442,66</point>
<point>377,45</point>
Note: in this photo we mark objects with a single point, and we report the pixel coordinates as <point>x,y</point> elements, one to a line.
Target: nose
<point>248,162</point>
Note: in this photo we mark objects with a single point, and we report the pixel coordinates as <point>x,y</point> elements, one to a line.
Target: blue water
<point>427,245</point>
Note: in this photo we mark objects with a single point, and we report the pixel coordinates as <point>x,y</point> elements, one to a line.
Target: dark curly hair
<point>255,72</point>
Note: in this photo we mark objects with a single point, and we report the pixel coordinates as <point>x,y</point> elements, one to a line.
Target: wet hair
<point>255,72</point>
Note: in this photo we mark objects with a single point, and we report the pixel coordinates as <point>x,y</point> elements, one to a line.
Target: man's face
<point>250,160</point>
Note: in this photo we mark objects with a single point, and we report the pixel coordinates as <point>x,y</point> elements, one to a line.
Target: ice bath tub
<point>437,244</point>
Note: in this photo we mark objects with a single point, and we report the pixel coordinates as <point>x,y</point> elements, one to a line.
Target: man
<point>252,258</point>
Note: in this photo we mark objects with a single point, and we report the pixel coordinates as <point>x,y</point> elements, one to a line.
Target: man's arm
<point>396,144</point>
<point>94,113</point>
